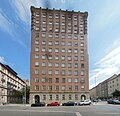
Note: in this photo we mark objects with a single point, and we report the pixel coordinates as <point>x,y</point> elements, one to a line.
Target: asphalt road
<point>100,109</point>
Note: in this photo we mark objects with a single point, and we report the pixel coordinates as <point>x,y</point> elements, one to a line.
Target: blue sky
<point>103,34</point>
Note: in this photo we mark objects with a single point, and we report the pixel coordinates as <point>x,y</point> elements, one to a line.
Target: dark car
<point>110,101</point>
<point>38,104</point>
<point>54,104</point>
<point>70,103</point>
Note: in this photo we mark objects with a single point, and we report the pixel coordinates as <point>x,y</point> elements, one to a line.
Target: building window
<point>76,73</point>
<point>70,72</point>
<point>50,97</point>
<point>56,35</point>
<point>36,56</point>
<point>44,97</point>
<point>63,80</point>
<point>82,87</point>
<point>57,87</point>
<point>69,57</point>
<point>82,51</point>
<point>50,16</point>
<point>50,80</point>
<point>36,80</point>
<point>76,80</point>
<point>50,57</point>
<point>63,43</point>
<point>82,72</point>
<point>36,71</point>
<point>43,80</point>
<point>75,37</point>
<point>50,72</point>
<point>57,80</point>
<point>76,43</point>
<point>70,87</point>
<point>37,28</point>
<point>37,35</point>
<point>76,58</point>
<point>56,43</point>
<point>37,14</point>
<point>44,22</point>
<point>63,57</point>
<point>43,35</point>
<point>76,96</point>
<point>50,43</point>
<point>82,58</point>
<point>69,65</point>
<point>43,87</point>
<point>63,72</point>
<point>50,50</point>
<point>56,57</point>
<point>76,87</point>
<point>43,49</point>
<point>36,63</point>
<point>70,97</point>
<point>82,37</point>
<point>43,42</point>
<point>50,87</point>
<point>76,51</point>
<point>82,44</point>
<point>37,42</point>
<point>43,56</point>
<point>69,43</point>
<point>70,80</point>
<point>43,72</point>
<point>63,50</point>
<point>50,64</point>
<point>56,64</point>
<point>76,65</point>
<point>63,36</point>
<point>37,22</point>
<point>63,64</point>
<point>63,97</point>
<point>43,64</point>
<point>56,50</point>
<point>36,87</point>
<point>36,49</point>
<point>57,97</point>
<point>69,36</point>
<point>82,65</point>
<point>50,35</point>
<point>63,87</point>
<point>69,50</point>
<point>57,72</point>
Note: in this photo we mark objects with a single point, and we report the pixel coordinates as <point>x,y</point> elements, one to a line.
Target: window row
<point>69,65</point>
<point>63,36</point>
<point>57,57</point>
<point>58,97</point>
<point>57,80</point>
<point>62,43</point>
<point>44,87</point>
<point>63,72</point>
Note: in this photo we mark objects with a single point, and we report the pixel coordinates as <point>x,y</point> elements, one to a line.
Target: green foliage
<point>116,93</point>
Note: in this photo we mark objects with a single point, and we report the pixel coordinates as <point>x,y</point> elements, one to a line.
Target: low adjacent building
<point>10,85</point>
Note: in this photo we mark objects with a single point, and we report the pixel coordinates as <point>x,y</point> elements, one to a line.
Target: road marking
<point>78,114</point>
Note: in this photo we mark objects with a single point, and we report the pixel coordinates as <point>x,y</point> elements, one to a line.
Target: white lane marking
<point>78,114</point>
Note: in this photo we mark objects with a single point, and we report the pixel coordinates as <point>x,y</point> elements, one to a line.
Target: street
<point>99,109</point>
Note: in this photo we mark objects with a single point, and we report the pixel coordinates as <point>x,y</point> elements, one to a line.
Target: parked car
<point>38,104</point>
<point>54,104</point>
<point>113,101</point>
<point>69,103</point>
<point>85,102</point>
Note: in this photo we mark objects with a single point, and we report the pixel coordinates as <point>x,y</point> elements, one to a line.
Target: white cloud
<point>2,60</point>
<point>107,66</point>
<point>22,8</point>
<point>5,23</point>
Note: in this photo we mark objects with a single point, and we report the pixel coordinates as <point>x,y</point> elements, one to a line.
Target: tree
<point>116,93</point>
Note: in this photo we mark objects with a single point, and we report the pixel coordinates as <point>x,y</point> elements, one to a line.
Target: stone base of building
<point>61,97</point>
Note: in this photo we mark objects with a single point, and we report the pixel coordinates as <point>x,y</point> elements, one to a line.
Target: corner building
<point>59,56</point>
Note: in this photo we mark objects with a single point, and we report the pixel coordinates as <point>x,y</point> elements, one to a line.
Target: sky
<point>103,34</point>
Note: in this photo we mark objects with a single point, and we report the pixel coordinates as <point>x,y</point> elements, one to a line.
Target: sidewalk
<point>100,103</point>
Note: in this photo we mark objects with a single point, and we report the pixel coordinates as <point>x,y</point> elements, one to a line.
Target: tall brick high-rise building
<point>59,56</point>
